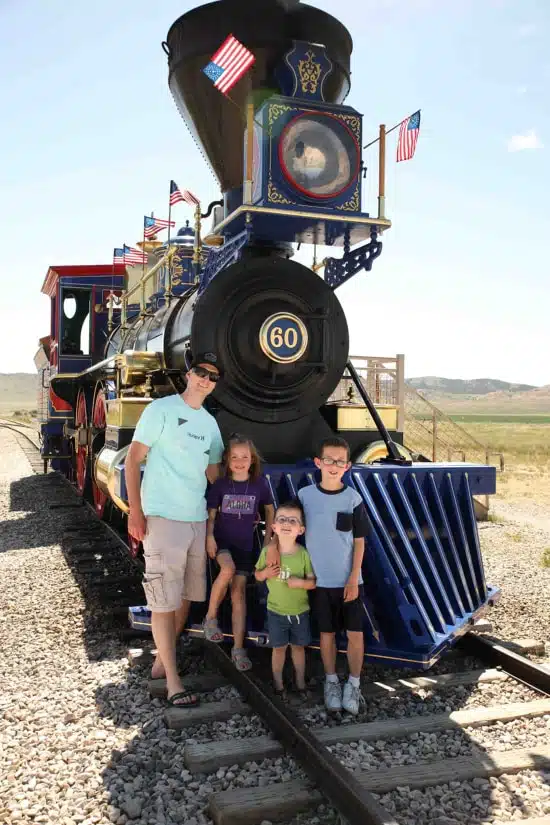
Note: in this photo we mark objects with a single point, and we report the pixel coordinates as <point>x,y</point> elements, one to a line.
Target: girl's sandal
<point>280,693</point>
<point>212,632</point>
<point>240,659</point>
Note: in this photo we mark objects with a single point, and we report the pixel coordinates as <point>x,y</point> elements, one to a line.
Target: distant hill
<point>460,386</point>
<point>483,395</point>
<point>18,389</point>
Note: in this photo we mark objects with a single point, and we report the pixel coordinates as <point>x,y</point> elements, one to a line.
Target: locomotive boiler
<point>286,151</point>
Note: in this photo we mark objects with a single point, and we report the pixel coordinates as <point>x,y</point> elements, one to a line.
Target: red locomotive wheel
<point>81,420</point>
<point>99,422</point>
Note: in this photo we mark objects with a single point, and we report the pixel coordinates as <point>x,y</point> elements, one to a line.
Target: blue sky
<point>91,137</point>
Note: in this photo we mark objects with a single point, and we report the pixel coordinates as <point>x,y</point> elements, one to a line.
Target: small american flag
<point>229,64</point>
<point>190,198</point>
<point>175,194</point>
<point>118,256</point>
<point>134,256</point>
<point>408,137</point>
<point>153,225</point>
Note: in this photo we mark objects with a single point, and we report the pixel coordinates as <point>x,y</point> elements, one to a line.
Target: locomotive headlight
<point>319,155</point>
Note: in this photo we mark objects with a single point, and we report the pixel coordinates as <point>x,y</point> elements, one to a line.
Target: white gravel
<point>82,743</point>
<point>512,547</point>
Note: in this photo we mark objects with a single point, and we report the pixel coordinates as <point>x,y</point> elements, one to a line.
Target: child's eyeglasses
<point>331,461</point>
<point>294,522</point>
<point>202,372</point>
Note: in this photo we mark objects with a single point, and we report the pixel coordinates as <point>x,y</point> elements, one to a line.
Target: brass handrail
<point>166,259</point>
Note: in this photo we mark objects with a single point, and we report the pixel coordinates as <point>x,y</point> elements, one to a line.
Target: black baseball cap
<point>207,358</point>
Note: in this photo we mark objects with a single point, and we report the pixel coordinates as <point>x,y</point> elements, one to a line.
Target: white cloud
<point>529,140</point>
<point>527,29</point>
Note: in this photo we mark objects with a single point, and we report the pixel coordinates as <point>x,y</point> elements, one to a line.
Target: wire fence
<point>433,434</point>
<point>427,431</point>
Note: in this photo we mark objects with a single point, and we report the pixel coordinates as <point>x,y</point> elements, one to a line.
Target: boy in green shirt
<point>288,603</point>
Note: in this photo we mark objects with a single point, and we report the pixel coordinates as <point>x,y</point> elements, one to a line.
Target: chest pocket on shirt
<point>344,522</point>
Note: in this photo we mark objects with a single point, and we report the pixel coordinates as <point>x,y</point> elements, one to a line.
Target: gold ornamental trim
<point>274,196</point>
<point>278,109</point>
<point>310,73</point>
<point>353,204</point>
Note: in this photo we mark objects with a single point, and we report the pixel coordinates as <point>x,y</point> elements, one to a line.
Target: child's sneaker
<point>352,698</point>
<point>333,696</point>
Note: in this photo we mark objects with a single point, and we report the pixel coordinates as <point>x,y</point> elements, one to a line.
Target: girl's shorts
<point>244,560</point>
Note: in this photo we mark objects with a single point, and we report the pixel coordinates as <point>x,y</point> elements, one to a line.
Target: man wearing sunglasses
<point>183,447</point>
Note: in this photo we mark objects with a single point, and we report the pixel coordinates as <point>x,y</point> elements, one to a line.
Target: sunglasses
<point>330,462</point>
<point>294,522</point>
<point>202,372</point>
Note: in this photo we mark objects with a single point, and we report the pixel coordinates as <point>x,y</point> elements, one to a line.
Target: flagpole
<point>382,172</point>
<point>248,185</point>
<point>197,246</point>
<point>388,131</point>
<point>110,308</point>
<point>168,284</point>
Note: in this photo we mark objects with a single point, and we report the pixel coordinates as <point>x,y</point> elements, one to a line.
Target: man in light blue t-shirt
<point>183,447</point>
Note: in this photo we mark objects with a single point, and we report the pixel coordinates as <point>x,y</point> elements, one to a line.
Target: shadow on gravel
<point>30,524</point>
<point>48,512</point>
<point>148,783</point>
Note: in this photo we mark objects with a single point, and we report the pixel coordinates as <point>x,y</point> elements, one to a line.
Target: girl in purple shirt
<point>233,502</point>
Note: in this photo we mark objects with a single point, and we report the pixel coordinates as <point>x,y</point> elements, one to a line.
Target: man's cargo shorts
<point>175,563</point>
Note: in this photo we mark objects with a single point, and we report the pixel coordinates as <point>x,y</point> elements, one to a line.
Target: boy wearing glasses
<point>288,603</point>
<point>335,538</point>
<point>183,446</point>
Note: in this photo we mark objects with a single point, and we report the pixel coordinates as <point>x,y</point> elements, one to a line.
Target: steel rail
<point>357,805</point>
<point>14,429</point>
<point>492,652</point>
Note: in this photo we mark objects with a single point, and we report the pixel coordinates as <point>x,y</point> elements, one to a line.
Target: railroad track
<point>29,443</point>
<point>415,733</point>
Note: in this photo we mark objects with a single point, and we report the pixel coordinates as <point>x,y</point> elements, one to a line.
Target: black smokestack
<point>267,28</point>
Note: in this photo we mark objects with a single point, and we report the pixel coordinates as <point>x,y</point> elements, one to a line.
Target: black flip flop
<point>183,694</point>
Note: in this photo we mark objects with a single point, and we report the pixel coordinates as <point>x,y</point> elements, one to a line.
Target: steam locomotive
<point>121,337</point>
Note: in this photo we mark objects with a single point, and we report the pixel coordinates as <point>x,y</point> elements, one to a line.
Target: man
<point>183,446</point>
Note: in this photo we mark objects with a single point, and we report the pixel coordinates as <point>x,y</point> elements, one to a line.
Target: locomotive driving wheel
<point>81,449</point>
<point>99,422</point>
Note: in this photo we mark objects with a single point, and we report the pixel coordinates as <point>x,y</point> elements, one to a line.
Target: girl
<point>233,502</point>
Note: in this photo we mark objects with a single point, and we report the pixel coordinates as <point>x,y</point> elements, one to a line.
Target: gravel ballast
<point>82,742</point>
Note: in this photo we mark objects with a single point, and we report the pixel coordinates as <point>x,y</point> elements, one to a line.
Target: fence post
<point>400,378</point>
<point>434,436</point>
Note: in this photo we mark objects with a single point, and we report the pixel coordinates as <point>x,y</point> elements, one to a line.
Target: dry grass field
<point>526,449</point>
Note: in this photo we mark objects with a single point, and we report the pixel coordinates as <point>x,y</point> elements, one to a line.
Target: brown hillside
<point>528,402</point>
<point>18,389</point>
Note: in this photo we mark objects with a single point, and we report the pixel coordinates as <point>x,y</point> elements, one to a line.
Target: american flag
<point>229,64</point>
<point>175,194</point>
<point>118,256</point>
<point>408,136</point>
<point>134,256</point>
<point>190,198</point>
<point>153,225</point>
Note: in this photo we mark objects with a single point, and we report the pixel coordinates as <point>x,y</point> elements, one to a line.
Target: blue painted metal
<point>228,254</point>
<point>303,71</point>
<point>423,570</point>
<point>340,270</point>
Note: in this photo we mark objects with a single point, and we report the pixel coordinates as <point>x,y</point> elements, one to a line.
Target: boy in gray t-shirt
<point>336,526</point>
